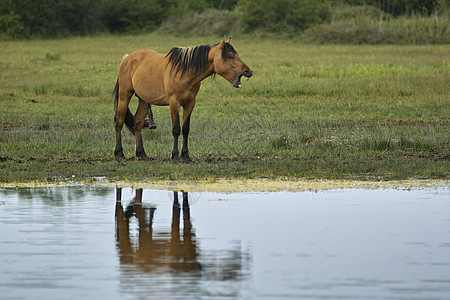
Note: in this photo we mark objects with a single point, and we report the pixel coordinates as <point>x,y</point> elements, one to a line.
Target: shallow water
<point>79,242</point>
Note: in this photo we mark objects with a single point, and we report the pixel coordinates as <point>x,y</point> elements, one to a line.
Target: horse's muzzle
<point>246,73</point>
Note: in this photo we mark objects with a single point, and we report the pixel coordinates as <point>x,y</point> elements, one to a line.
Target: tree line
<point>61,18</point>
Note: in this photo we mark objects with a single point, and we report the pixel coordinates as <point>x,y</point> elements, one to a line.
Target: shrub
<point>222,4</point>
<point>10,26</point>
<point>183,7</point>
<point>283,16</point>
<point>356,12</point>
<point>209,22</point>
<point>364,25</point>
<point>351,22</point>
<point>132,16</point>
<point>51,18</point>
<point>402,7</point>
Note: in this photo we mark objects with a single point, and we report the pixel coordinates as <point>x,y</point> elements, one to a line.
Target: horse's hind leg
<point>151,124</point>
<point>121,110</point>
<point>118,150</point>
<point>138,124</point>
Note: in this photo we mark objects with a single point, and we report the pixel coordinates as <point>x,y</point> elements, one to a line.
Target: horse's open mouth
<point>246,74</point>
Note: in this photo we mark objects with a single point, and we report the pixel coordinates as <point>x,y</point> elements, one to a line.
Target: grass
<point>310,112</point>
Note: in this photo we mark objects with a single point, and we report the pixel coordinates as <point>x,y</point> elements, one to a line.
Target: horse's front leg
<point>175,115</point>
<point>187,111</point>
<point>138,124</point>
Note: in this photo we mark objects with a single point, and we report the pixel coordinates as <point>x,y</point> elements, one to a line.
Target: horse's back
<point>143,72</point>
<point>141,59</point>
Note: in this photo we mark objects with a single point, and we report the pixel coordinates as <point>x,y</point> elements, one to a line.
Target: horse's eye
<point>230,55</point>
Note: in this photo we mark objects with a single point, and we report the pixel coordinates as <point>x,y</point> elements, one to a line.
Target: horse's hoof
<point>120,158</point>
<point>152,126</point>
<point>186,158</point>
<point>118,155</point>
<point>143,157</point>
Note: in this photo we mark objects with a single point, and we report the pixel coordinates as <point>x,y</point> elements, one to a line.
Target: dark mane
<point>186,59</point>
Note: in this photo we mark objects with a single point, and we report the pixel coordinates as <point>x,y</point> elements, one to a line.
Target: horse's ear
<point>222,42</point>
<point>229,40</point>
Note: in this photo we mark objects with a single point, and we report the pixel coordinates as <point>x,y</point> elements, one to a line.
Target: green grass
<point>310,111</point>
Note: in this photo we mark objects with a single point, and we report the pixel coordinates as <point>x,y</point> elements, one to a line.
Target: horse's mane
<point>194,58</point>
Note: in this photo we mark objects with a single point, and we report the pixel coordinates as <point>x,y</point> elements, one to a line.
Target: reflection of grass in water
<point>316,112</point>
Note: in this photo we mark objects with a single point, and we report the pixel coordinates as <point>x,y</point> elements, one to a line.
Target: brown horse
<point>171,79</point>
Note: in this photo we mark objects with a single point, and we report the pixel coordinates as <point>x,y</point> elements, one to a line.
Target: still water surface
<point>106,243</point>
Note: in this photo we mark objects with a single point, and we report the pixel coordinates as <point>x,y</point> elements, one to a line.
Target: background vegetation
<point>367,112</point>
<point>323,21</point>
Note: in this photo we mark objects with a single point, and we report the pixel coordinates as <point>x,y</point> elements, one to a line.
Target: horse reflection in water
<point>156,251</point>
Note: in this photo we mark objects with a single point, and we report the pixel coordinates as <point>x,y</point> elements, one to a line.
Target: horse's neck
<point>202,76</point>
<point>209,71</point>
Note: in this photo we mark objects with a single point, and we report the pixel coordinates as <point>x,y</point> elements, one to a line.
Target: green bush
<point>56,18</point>
<point>132,16</point>
<point>209,22</point>
<point>283,16</point>
<point>222,4</point>
<point>350,21</point>
<point>382,30</point>
<point>51,18</point>
<point>355,12</point>
<point>401,7</point>
<point>10,26</point>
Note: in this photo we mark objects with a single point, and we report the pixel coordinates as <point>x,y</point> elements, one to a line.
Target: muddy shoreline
<point>242,185</point>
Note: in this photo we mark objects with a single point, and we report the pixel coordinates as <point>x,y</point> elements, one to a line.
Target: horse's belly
<point>153,98</point>
<point>150,90</point>
<point>160,101</point>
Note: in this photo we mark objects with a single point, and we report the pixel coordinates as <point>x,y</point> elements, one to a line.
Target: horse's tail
<point>129,118</point>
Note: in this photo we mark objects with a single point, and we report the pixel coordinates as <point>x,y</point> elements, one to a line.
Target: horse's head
<point>228,64</point>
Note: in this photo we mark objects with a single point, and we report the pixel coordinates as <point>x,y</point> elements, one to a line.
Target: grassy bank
<point>347,24</point>
<point>314,112</point>
<point>369,25</point>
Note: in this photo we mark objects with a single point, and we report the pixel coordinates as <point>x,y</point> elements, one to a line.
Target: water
<point>80,243</point>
